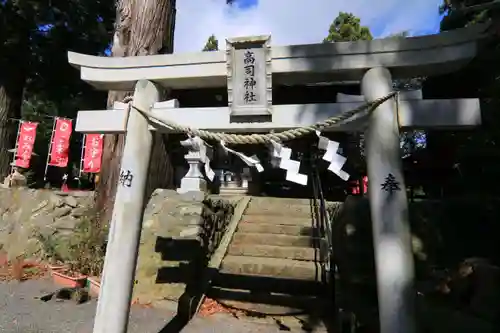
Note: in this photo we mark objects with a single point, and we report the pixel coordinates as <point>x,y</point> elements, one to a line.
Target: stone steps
<point>233,191</point>
<point>275,240</point>
<point>293,303</point>
<point>272,208</point>
<point>279,219</point>
<point>268,284</point>
<point>270,251</point>
<point>273,266</point>
<point>281,229</point>
<point>280,201</point>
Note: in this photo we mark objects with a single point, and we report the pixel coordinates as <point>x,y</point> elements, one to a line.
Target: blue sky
<point>429,26</point>
<point>246,4</point>
<point>297,21</point>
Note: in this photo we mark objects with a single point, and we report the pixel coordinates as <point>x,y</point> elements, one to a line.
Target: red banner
<point>93,153</point>
<point>25,142</point>
<point>59,151</point>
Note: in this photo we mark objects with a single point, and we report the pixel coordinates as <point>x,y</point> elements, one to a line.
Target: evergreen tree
<point>212,44</point>
<point>347,28</point>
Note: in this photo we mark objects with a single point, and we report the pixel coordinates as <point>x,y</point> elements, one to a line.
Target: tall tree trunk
<point>12,81</point>
<point>142,28</point>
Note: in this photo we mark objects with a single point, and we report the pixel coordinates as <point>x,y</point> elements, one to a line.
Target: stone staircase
<point>272,268</point>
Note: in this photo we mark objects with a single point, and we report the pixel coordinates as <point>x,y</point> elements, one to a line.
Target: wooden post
<point>389,209</point>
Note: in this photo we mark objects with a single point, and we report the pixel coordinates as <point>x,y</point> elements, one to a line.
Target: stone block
<point>174,245</point>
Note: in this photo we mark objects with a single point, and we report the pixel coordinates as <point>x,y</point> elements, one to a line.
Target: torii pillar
<point>126,224</point>
<point>389,208</point>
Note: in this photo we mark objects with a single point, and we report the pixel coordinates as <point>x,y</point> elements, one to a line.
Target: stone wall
<point>26,212</point>
<point>178,238</point>
<point>179,234</point>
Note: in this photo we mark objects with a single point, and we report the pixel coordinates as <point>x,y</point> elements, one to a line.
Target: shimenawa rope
<point>255,138</point>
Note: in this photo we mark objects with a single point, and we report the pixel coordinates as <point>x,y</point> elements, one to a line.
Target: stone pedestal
<point>193,181</point>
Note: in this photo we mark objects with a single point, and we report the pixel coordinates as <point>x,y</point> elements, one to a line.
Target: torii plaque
<point>249,76</point>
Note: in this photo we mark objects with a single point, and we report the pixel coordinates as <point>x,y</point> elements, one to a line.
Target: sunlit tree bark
<point>142,28</point>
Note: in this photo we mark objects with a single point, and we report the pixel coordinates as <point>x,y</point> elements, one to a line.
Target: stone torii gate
<point>374,69</point>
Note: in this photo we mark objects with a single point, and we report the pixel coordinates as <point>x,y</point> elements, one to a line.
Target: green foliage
<point>36,36</point>
<point>212,44</point>
<point>461,13</point>
<point>347,28</point>
<point>51,248</point>
<point>470,166</point>
<point>87,248</point>
<point>51,29</point>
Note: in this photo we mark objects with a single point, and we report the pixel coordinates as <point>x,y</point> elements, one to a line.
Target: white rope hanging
<point>336,160</point>
<point>282,157</point>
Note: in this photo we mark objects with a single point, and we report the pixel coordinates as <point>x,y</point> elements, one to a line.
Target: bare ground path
<point>20,312</point>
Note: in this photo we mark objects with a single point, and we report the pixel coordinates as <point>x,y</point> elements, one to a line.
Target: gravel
<point>21,312</point>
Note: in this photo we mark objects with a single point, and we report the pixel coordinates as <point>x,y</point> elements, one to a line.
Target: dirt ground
<point>20,311</point>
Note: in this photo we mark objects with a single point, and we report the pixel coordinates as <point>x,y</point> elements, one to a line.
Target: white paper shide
<point>251,161</point>
<point>281,157</point>
<point>336,160</point>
